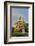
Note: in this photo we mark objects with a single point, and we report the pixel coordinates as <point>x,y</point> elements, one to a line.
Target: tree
<point>26,27</point>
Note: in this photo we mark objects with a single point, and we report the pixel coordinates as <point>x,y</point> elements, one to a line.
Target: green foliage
<point>26,27</point>
<point>15,30</point>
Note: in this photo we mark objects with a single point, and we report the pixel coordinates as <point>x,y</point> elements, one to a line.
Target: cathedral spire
<point>20,18</point>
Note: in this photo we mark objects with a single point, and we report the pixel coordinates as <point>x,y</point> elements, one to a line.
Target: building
<point>20,25</point>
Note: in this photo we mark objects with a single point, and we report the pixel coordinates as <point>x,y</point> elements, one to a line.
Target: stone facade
<point>20,25</point>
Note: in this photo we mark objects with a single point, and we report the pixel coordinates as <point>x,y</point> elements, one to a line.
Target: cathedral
<point>20,25</point>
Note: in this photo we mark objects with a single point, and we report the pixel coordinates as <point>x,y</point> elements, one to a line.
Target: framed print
<point>18,22</point>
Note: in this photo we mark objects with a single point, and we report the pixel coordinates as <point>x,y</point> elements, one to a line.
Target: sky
<point>17,12</point>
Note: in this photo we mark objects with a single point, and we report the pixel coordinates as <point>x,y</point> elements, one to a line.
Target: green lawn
<point>19,34</point>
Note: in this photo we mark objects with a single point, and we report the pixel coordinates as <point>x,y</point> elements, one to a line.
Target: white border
<point>13,39</point>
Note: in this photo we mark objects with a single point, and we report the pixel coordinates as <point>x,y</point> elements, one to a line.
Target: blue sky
<point>17,12</point>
